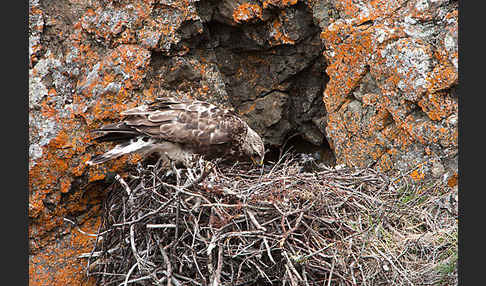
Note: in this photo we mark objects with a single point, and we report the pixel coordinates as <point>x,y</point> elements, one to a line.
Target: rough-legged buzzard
<point>179,131</point>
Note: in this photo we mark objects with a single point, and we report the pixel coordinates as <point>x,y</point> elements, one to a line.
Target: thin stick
<point>123,183</point>
<point>166,225</point>
<point>217,274</point>
<point>168,264</point>
<point>129,273</point>
<point>332,269</point>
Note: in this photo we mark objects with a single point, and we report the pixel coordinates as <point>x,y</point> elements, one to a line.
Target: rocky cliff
<point>374,81</point>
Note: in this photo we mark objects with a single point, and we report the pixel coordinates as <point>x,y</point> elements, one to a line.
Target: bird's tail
<point>136,144</point>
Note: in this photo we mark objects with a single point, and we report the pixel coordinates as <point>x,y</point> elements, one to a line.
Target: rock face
<point>373,79</point>
<point>391,99</point>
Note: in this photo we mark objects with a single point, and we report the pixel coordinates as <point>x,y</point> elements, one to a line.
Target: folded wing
<point>195,123</point>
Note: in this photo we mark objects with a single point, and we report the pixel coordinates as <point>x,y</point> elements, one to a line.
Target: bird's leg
<point>190,174</point>
<point>192,167</point>
<point>204,167</point>
<point>200,163</point>
<point>161,165</point>
<point>188,160</point>
<point>176,172</point>
<point>164,163</point>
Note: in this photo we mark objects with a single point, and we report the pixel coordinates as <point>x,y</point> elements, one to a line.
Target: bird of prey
<point>180,131</point>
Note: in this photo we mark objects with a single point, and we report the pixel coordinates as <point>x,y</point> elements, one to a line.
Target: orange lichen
<point>347,7</point>
<point>278,34</point>
<point>452,181</point>
<point>65,185</point>
<point>347,64</point>
<point>377,122</point>
<point>443,76</point>
<point>133,159</point>
<point>68,269</point>
<point>385,163</point>
<point>64,156</point>
<point>247,12</point>
<point>438,105</point>
<point>35,49</point>
<point>417,175</point>
<point>90,12</point>
<point>47,110</point>
<point>34,9</point>
<point>384,8</point>
<point>247,110</point>
<point>96,175</point>
<point>279,3</point>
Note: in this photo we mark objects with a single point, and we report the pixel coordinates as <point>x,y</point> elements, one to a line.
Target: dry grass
<point>283,225</point>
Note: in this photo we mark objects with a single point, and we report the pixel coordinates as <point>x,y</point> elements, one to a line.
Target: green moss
<point>449,266</point>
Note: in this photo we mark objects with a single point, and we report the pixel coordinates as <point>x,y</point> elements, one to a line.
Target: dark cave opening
<point>275,83</point>
<point>304,149</point>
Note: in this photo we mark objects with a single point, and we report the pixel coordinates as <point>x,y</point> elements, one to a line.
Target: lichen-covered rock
<point>376,79</point>
<point>159,26</point>
<point>391,98</point>
<point>36,27</point>
<point>85,68</point>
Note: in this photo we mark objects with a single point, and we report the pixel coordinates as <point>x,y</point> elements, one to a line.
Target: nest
<point>283,225</point>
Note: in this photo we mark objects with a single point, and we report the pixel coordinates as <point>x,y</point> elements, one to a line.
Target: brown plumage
<point>180,130</point>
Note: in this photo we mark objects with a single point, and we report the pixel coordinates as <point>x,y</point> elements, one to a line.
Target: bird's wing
<point>194,122</point>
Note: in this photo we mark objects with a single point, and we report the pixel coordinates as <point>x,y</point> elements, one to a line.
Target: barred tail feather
<point>134,145</point>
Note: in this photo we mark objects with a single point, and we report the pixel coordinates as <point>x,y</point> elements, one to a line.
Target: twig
<point>83,232</point>
<point>166,225</point>
<point>168,264</point>
<point>129,273</point>
<point>254,220</point>
<point>217,274</point>
<point>332,269</point>
<point>124,184</point>
<point>393,265</point>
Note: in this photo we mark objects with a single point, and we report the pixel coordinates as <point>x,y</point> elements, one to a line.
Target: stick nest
<point>284,225</point>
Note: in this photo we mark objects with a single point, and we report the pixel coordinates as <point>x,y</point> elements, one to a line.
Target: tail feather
<point>115,137</point>
<point>133,145</point>
<point>98,159</point>
<point>115,127</point>
<point>115,132</point>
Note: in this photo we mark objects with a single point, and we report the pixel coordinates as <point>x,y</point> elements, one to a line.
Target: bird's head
<point>253,147</point>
